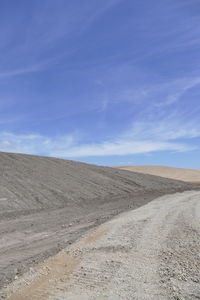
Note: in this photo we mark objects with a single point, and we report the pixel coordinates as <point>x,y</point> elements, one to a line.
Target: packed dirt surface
<point>148,253</point>
<point>47,203</point>
<point>187,175</point>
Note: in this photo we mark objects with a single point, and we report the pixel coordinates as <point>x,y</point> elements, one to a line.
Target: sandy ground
<point>148,253</point>
<point>188,175</point>
<point>47,204</point>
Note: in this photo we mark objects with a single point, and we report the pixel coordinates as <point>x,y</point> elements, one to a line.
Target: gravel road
<point>148,253</point>
<point>48,203</point>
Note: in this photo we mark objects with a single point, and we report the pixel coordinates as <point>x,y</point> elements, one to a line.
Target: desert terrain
<point>187,175</point>
<point>46,204</point>
<point>148,253</point>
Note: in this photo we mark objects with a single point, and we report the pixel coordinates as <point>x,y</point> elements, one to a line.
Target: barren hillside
<point>187,175</point>
<point>47,203</point>
<point>34,183</point>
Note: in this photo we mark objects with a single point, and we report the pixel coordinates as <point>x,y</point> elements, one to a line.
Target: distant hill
<point>187,175</point>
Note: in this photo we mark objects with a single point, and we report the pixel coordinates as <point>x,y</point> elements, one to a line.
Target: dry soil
<point>151,253</point>
<point>47,203</point>
<point>187,175</point>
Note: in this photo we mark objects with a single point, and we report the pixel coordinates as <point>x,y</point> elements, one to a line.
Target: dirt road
<point>48,203</point>
<point>151,253</point>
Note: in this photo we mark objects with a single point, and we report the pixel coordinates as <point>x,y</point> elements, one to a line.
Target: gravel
<point>48,203</point>
<point>151,253</point>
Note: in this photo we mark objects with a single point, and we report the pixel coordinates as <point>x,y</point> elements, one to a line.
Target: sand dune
<point>187,175</point>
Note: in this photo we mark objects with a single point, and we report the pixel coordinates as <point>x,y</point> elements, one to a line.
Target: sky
<point>110,82</point>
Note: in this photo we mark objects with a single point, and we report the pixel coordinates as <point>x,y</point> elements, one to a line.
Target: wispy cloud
<point>177,88</point>
<point>98,10</point>
<point>33,68</point>
<point>166,135</point>
<point>50,25</point>
<point>34,143</point>
<point>125,84</point>
<point>143,137</point>
<point>21,71</point>
<point>121,147</point>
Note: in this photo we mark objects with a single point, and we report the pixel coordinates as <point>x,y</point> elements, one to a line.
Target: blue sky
<point>111,82</point>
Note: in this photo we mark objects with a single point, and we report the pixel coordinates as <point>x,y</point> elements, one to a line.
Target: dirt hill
<point>47,203</point>
<point>34,183</point>
<point>187,175</point>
